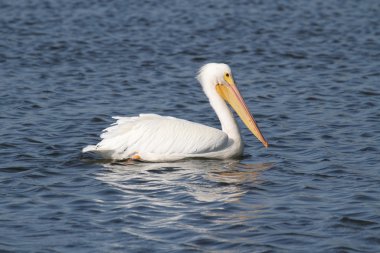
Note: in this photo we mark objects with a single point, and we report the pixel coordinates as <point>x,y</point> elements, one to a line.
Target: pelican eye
<point>227,75</point>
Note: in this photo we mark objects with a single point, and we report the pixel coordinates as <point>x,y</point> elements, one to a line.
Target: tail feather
<point>89,148</point>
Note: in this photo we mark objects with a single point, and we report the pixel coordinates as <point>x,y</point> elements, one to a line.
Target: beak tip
<point>266,144</point>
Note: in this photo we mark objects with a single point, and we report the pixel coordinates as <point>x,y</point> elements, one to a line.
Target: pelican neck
<point>226,117</point>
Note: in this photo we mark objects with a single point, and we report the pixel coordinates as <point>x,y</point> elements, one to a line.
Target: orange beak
<point>231,94</point>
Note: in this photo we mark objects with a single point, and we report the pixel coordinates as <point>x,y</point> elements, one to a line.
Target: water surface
<point>309,72</point>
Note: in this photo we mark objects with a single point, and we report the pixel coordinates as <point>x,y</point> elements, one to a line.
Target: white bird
<point>155,138</point>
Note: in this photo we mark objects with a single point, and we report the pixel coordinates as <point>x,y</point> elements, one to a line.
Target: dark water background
<point>309,71</point>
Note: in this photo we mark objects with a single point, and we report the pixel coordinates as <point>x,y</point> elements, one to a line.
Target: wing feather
<point>158,135</point>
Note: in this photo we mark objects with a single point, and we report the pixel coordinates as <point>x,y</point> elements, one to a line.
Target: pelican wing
<point>151,135</point>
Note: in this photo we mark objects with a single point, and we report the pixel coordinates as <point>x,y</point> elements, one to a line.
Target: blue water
<point>309,71</point>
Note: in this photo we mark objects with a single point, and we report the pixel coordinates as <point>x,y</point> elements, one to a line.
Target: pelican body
<point>155,138</point>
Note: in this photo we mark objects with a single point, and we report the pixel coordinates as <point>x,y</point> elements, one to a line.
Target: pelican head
<point>218,77</point>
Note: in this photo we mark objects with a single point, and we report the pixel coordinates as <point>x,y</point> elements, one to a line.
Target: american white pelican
<point>155,138</point>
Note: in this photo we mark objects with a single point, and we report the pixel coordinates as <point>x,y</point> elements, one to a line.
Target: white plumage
<point>155,138</point>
